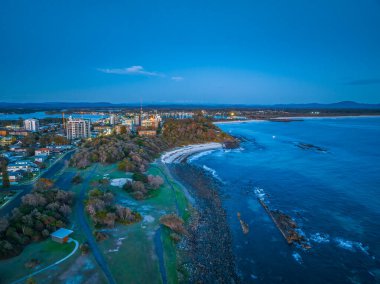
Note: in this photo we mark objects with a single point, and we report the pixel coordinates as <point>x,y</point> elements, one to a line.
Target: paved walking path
<point>85,228</point>
<point>52,265</point>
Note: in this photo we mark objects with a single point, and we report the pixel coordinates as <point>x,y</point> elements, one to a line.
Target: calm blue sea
<point>41,114</point>
<point>334,195</point>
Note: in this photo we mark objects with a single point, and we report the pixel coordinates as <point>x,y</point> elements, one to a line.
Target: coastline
<point>332,116</point>
<point>208,244</point>
<point>297,117</point>
<point>181,154</point>
<point>239,121</point>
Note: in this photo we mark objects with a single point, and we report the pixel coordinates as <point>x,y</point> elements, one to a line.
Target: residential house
<point>23,165</point>
<point>42,151</point>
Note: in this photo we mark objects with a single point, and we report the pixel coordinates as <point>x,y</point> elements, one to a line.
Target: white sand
<point>178,155</point>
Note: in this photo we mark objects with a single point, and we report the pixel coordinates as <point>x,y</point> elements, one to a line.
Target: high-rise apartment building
<point>78,128</point>
<point>31,124</point>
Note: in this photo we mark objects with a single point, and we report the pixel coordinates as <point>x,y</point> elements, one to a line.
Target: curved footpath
<point>52,265</point>
<point>87,230</point>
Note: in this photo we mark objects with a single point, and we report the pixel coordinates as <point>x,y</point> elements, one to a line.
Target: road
<point>52,265</point>
<point>25,189</point>
<point>86,229</point>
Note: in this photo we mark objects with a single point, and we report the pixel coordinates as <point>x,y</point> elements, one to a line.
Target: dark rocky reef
<point>208,244</point>
<point>306,146</point>
<point>231,144</point>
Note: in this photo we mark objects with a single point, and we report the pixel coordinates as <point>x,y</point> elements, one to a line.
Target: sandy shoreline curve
<point>180,154</point>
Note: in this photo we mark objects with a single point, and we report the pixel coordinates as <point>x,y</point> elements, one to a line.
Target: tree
<point>6,182</point>
<point>44,184</point>
<point>155,181</point>
<point>3,224</point>
<point>140,177</point>
<point>77,179</point>
<point>123,129</point>
<point>138,186</point>
<point>121,166</point>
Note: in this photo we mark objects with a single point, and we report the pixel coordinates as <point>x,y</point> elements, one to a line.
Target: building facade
<point>31,124</point>
<point>78,128</point>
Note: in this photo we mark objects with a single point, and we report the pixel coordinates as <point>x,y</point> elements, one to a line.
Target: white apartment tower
<point>31,124</point>
<point>78,128</point>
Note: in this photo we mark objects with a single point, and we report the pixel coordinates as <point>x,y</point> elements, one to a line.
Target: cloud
<point>177,78</point>
<point>372,81</point>
<point>133,70</point>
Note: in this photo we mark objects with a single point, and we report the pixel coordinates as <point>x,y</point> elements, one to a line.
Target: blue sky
<point>241,51</point>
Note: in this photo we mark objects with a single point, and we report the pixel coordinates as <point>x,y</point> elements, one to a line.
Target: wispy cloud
<point>133,70</point>
<point>138,70</point>
<point>177,78</point>
<point>371,81</point>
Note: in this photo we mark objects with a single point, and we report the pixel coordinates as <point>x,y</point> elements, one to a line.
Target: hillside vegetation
<point>136,152</point>
<point>41,212</point>
<point>192,131</point>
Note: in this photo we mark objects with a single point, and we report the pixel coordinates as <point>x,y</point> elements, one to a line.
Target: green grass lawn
<point>130,250</point>
<point>47,252</point>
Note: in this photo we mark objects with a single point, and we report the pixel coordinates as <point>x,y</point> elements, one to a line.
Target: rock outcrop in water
<point>286,225</point>
<point>306,146</point>
<point>244,226</point>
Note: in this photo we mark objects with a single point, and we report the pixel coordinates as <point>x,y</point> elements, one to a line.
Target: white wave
<point>212,172</point>
<point>297,257</point>
<point>352,245</point>
<point>253,276</point>
<point>236,150</point>
<point>199,155</point>
<point>320,238</point>
<point>260,193</point>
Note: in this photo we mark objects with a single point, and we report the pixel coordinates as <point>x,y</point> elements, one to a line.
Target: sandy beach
<point>180,154</point>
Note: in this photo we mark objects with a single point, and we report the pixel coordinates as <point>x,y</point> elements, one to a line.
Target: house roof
<point>62,233</point>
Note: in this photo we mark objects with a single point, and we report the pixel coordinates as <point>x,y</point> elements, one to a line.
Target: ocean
<point>325,174</point>
<point>41,115</point>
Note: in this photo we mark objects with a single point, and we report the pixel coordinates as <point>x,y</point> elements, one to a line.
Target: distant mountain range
<point>65,105</point>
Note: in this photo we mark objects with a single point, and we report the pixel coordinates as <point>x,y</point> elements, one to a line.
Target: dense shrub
<point>142,185</point>
<point>134,154</point>
<point>104,213</point>
<point>41,212</point>
<point>77,179</point>
<point>173,222</point>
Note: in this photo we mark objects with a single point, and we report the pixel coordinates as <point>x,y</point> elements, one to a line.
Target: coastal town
<point>44,159</point>
<point>75,183</point>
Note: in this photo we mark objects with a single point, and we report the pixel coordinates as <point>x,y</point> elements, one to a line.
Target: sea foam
<point>199,155</point>
<point>297,257</point>
<point>320,238</point>
<point>259,192</point>
<point>351,245</point>
<point>212,172</point>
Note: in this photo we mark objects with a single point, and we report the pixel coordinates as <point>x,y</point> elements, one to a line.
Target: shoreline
<point>179,155</point>
<point>208,244</point>
<point>297,117</point>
